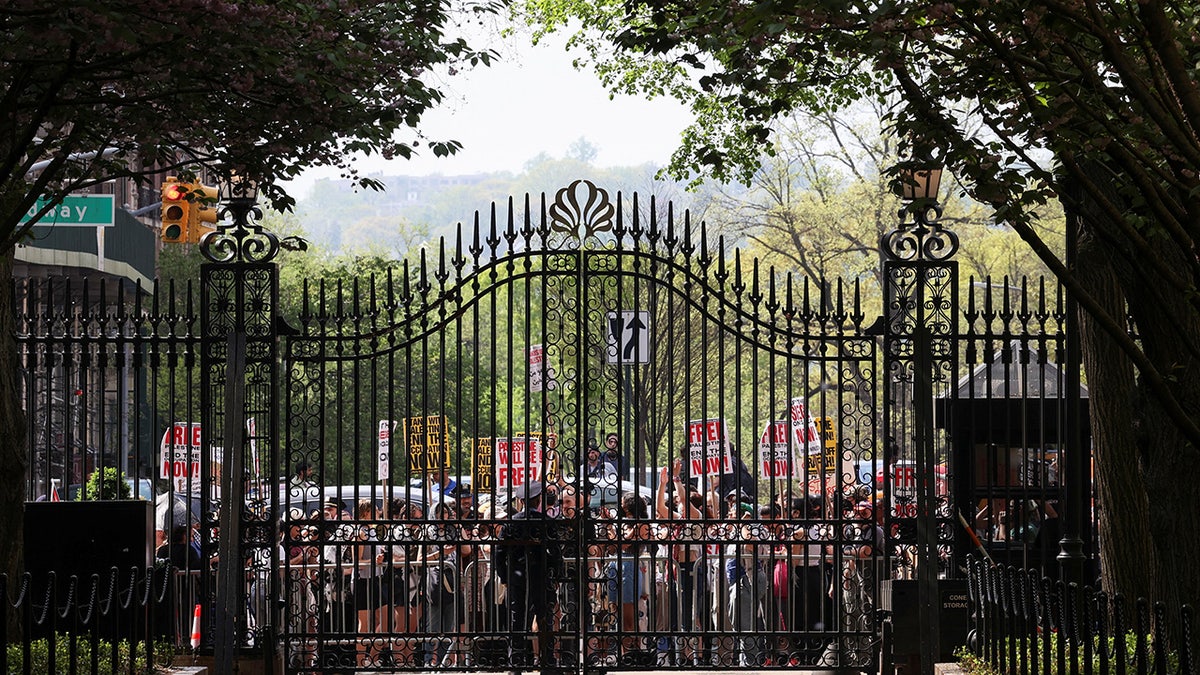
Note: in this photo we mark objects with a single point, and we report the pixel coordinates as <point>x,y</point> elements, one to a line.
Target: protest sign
<point>804,428</point>
<point>775,451</point>
<point>427,443</point>
<point>518,461</point>
<point>708,448</point>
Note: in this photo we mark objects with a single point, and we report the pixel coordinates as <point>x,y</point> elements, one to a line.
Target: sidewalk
<point>939,669</point>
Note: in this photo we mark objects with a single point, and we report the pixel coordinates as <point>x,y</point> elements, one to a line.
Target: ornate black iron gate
<point>582,436</point>
<point>696,429</point>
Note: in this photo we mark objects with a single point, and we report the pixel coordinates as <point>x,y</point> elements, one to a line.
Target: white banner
<point>541,375</point>
<point>904,489</point>
<point>775,451</point>
<point>179,458</point>
<point>252,433</point>
<point>519,461</point>
<point>383,468</point>
<point>804,428</point>
<point>708,448</point>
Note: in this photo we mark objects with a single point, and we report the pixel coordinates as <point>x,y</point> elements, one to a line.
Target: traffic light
<point>185,209</point>
<point>203,210</point>
<point>174,211</point>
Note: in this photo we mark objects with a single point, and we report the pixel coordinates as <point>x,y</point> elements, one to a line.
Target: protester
<point>170,509</point>
<point>812,609</point>
<point>862,557</point>
<point>180,549</point>
<point>597,469</point>
<point>337,602</point>
<point>525,556</point>
<point>302,480</point>
<point>625,578</point>
<point>684,512</point>
<point>369,596</point>
<point>747,581</point>
<point>564,532</point>
<point>402,576</point>
<point>302,557</point>
<point>442,574</point>
<point>614,456</point>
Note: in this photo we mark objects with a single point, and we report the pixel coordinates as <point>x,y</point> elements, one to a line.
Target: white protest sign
<point>904,488</point>
<point>252,434</point>
<point>179,451</point>
<point>807,435</point>
<point>775,450</point>
<point>541,375</point>
<point>383,468</point>
<point>518,461</point>
<point>708,448</point>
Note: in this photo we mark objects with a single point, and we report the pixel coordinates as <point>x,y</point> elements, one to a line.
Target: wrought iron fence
<point>362,405</point>
<point>1025,623</point>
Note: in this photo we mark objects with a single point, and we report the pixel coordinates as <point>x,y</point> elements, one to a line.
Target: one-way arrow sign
<point>628,333</point>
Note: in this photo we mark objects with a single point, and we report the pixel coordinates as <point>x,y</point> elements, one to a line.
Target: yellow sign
<point>426,440</point>
<point>483,469</point>
<point>829,459</point>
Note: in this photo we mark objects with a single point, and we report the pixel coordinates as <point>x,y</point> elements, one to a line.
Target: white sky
<point>533,101</point>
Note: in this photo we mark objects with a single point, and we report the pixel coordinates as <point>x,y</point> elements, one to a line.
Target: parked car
<point>311,500</point>
<point>140,488</point>
<point>609,493</point>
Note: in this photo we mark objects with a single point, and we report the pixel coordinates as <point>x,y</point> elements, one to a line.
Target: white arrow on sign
<point>628,334</point>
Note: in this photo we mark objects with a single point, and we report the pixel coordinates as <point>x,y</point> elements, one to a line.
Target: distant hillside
<point>416,209</point>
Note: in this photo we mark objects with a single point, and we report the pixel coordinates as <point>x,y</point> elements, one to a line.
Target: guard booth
<point>1006,422</point>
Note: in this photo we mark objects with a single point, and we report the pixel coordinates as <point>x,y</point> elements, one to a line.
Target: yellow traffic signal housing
<point>185,209</point>
<point>203,210</point>
<point>175,211</point>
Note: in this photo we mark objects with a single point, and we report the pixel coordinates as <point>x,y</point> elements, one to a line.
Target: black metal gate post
<point>239,363</point>
<point>921,291</point>
<point>1075,472</point>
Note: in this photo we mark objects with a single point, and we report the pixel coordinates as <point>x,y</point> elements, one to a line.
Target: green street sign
<point>88,210</point>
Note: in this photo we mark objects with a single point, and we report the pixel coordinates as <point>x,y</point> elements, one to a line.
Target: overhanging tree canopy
<point>270,87</point>
<point>1095,102</point>
<point>101,90</point>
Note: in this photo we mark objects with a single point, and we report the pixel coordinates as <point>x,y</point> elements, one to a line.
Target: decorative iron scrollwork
<point>922,239</point>
<point>581,209</point>
<point>242,240</point>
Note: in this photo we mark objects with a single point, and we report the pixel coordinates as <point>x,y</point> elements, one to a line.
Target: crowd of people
<point>687,574</point>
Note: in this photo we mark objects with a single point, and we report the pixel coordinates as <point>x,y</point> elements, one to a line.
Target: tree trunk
<point>12,447</point>
<point>1112,392</point>
<point>1146,470</point>
<point>1169,464</point>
